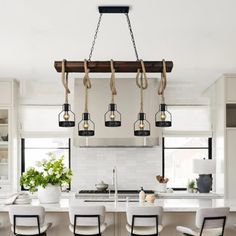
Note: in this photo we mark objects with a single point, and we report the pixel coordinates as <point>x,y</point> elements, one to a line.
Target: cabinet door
<point>5,93</point>
<point>230,89</point>
<point>230,163</point>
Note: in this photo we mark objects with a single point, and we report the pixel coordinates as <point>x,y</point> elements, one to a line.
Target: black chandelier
<point>141,125</point>
<point>112,116</point>
<point>66,118</point>
<point>163,117</point>
<point>86,126</point>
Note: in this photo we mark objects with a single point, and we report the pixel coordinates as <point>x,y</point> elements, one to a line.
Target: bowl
<point>101,186</point>
<point>150,198</point>
<point>4,138</point>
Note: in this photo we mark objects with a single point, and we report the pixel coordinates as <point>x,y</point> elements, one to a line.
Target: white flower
<point>58,176</point>
<point>32,182</point>
<point>43,161</point>
<point>65,170</point>
<point>38,164</point>
<point>45,174</point>
<point>50,171</point>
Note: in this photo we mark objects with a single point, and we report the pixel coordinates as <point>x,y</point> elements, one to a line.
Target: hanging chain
<point>87,85</point>
<point>112,82</point>
<point>132,36</point>
<point>95,37</point>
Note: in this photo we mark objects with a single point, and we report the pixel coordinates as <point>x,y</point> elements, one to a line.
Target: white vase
<point>49,194</point>
<point>162,187</point>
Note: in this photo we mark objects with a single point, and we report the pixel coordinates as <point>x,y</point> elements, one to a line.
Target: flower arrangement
<point>191,186</point>
<point>50,171</point>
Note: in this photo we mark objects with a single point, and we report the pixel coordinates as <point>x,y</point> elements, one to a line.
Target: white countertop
<point>169,205</point>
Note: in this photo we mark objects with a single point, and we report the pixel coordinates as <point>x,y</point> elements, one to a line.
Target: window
<point>36,149</point>
<point>178,155</point>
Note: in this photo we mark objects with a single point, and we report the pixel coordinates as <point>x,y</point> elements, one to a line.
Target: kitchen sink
<point>110,200</point>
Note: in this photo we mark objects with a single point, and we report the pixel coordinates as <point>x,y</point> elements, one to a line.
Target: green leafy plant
<point>191,184</point>
<point>51,171</point>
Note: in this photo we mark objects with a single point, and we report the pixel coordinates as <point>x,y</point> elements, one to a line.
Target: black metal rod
<point>113,9</point>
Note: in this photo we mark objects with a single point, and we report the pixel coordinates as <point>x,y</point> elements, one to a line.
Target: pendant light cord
<point>163,82</point>
<point>64,80</point>
<point>87,84</point>
<point>141,82</point>
<point>112,82</point>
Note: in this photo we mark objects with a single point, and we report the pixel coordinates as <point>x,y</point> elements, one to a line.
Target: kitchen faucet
<point>114,182</point>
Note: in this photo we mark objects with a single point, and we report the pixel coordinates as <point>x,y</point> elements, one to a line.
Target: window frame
<point>23,159</point>
<point>209,148</point>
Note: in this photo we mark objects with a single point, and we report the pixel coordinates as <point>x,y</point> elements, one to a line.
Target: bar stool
<point>87,220</point>
<point>144,220</point>
<point>209,221</point>
<point>28,220</point>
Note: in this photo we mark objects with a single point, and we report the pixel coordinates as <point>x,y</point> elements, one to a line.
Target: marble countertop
<point>169,205</point>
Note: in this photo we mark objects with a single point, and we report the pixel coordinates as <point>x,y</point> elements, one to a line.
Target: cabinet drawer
<point>5,93</point>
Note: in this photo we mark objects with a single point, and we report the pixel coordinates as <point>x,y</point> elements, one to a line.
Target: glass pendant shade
<point>112,116</point>
<point>141,125</point>
<point>66,117</point>
<point>86,126</point>
<point>163,117</point>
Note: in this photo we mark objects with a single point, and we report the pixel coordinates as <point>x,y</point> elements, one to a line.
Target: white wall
<point>136,167</point>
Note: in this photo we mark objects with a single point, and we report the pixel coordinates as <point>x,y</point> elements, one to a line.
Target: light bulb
<point>112,115</point>
<point>141,125</point>
<point>66,116</point>
<point>86,125</point>
<point>163,115</point>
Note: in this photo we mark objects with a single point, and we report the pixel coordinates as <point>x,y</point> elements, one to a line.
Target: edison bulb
<point>141,125</point>
<point>163,116</point>
<point>66,116</point>
<point>112,115</point>
<point>86,125</point>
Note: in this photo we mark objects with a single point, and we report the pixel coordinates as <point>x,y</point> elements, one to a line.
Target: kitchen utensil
<point>101,186</point>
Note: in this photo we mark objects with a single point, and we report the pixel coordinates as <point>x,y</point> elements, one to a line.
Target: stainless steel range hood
<point>128,101</point>
<point>116,142</point>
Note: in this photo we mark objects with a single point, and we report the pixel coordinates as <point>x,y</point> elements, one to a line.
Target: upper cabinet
<point>5,93</point>
<point>8,134</point>
<point>230,88</point>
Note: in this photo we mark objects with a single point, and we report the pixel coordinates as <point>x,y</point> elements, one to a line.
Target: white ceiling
<point>199,36</point>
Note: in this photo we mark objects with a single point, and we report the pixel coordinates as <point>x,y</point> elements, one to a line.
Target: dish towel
<point>18,198</point>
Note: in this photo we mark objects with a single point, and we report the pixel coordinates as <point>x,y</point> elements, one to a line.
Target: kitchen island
<point>176,212</point>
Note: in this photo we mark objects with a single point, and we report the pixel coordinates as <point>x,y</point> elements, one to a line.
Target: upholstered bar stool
<point>144,220</point>
<point>209,222</point>
<point>87,220</point>
<point>28,220</point>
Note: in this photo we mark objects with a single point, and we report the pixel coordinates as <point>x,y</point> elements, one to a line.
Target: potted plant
<point>191,186</point>
<point>162,183</point>
<point>48,178</point>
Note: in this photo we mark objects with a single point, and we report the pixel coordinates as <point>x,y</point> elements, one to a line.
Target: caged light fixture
<point>141,125</point>
<point>86,126</point>
<point>163,117</point>
<point>112,116</point>
<point>66,118</point>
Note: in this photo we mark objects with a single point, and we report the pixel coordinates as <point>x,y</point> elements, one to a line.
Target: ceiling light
<point>112,116</point>
<point>141,125</point>
<point>86,126</point>
<point>163,117</point>
<point>66,118</point>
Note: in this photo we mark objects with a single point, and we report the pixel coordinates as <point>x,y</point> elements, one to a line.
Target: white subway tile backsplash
<point>136,167</point>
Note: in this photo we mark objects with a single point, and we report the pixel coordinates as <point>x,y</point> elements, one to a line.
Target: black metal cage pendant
<point>141,125</point>
<point>163,117</point>
<point>112,116</point>
<point>66,118</point>
<point>86,126</point>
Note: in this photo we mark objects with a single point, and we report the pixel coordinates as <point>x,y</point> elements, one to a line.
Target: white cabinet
<point>8,134</point>
<point>5,93</point>
<point>230,88</point>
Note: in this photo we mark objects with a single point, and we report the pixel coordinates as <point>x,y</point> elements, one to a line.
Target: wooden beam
<point>120,66</point>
